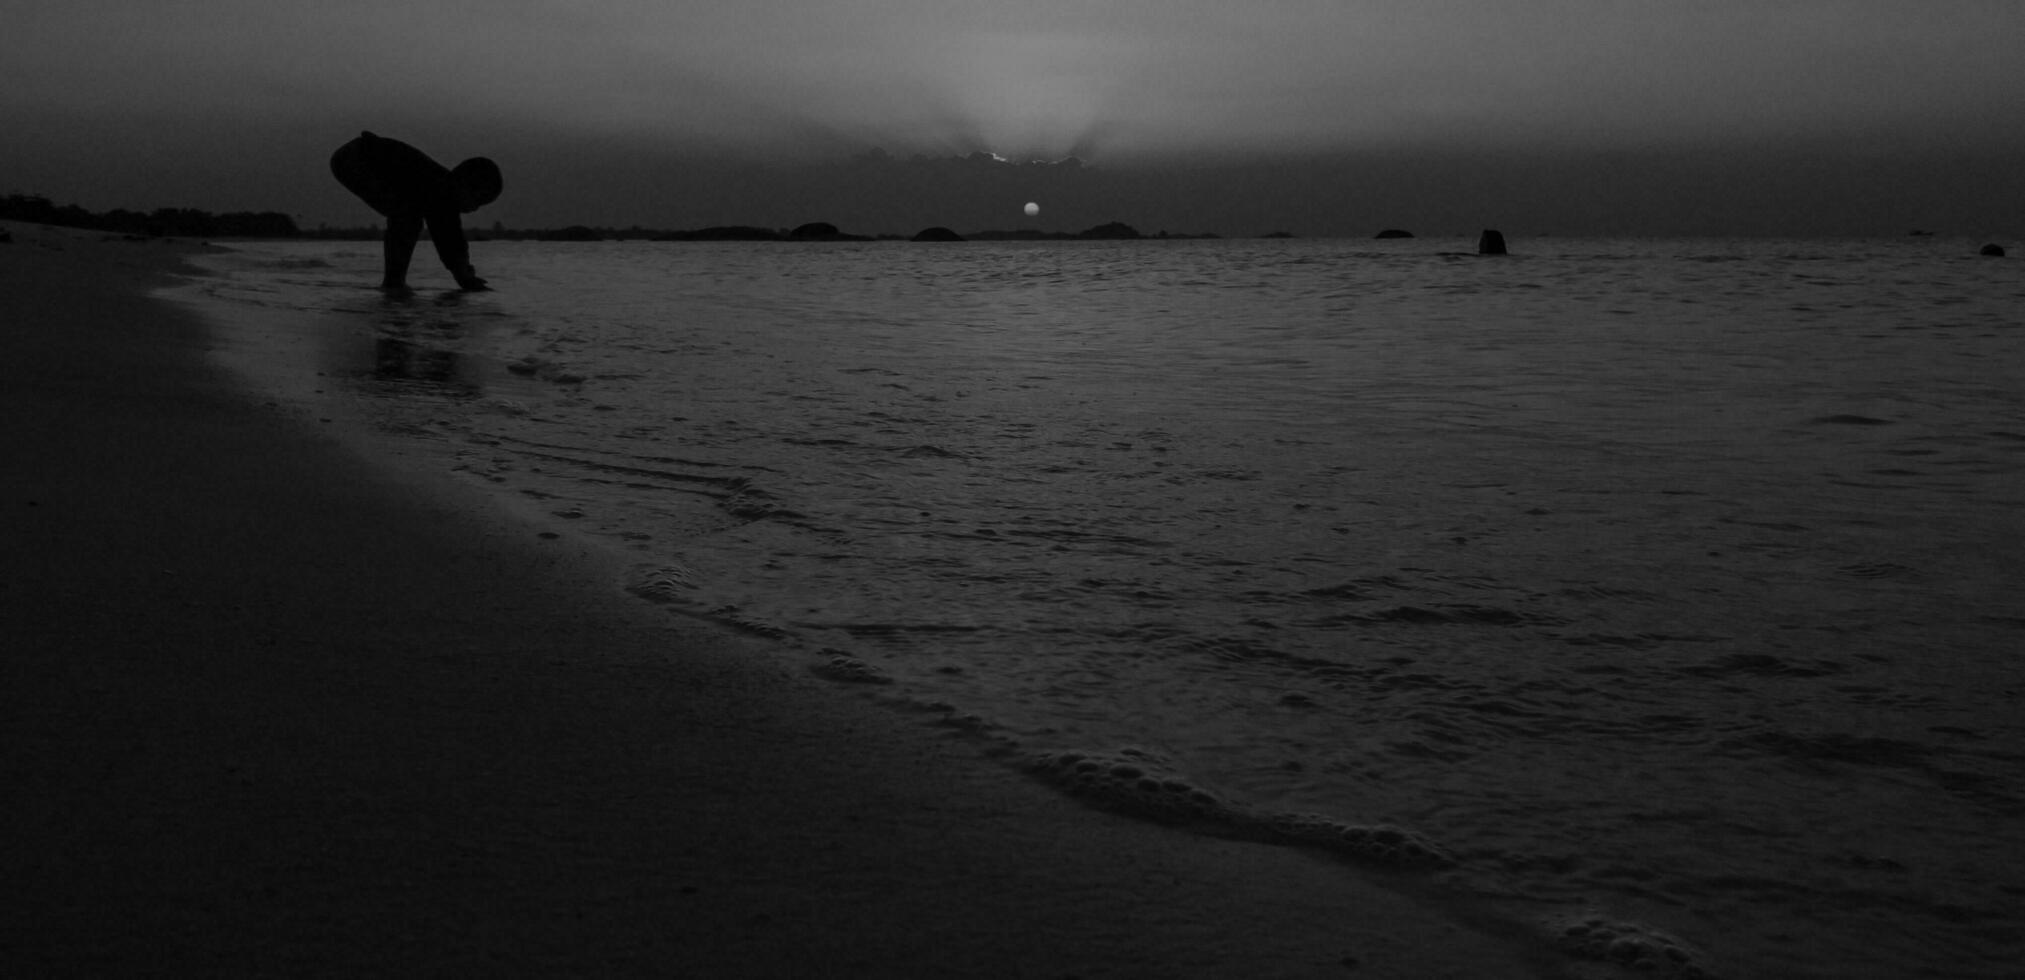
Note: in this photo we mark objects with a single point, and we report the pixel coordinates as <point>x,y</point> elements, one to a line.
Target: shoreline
<point>273,710</point>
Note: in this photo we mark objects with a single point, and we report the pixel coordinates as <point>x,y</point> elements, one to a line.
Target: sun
<point>1032,209</point>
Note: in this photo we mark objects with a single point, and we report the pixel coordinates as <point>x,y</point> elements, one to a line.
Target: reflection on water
<point>395,359</point>
<point>421,340</point>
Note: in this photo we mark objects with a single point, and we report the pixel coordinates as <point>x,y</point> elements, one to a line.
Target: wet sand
<point>270,709</point>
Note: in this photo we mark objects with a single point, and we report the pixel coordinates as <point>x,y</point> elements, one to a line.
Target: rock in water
<point>1993,250</point>
<point>1395,233</point>
<point>823,231</point>
<point>1110,230</point>
<point>1491,242</point>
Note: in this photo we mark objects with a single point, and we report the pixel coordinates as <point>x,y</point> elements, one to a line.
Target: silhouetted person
<point>409,189</point>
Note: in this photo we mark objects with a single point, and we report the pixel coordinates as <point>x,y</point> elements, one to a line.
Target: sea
<point>1666,593</point>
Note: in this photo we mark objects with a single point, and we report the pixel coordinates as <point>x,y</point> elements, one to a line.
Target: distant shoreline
<point>276,226</point>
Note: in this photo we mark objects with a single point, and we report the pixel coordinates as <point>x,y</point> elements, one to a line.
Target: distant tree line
<point>180,222</point>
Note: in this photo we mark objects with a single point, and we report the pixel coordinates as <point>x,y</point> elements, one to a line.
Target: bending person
<point>410,190</point>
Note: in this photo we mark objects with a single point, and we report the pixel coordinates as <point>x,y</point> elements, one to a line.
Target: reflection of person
<point>409,189</point>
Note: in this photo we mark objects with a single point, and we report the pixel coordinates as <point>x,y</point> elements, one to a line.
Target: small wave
<point>1831,747</point>
<point>846,669</point>
<point>1140,783</point>
<point>1133,781</point>
<point>1877,570</point>
<point>1641,641</point>
<point>736,619</point>
<point>901,629</point>
<point>1348,590</point>
<point>1764,665</point>
<point>546,370</point>
<point>1609,593</point>
<point>1647,950</point>
<point>677,586</point>
<point>1448,615</point>
<point>662,583</point>
<point>694,482</point>
<point>1072,536</point>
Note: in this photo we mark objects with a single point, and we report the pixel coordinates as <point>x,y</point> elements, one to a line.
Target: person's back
<point>409,189</point>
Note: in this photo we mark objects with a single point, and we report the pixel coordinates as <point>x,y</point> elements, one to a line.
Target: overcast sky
<point>1319,116</point>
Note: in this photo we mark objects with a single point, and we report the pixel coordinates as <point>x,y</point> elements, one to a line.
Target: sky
<point>1316,117</point>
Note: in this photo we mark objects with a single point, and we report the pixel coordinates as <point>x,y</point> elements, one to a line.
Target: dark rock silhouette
<point>822,231</point>
<point>1491,242</point>
<point>573,233</point>
<point>937,234</point>
<point>1110,230</point>
<point>1394,233</point>
<point>1993,250</point>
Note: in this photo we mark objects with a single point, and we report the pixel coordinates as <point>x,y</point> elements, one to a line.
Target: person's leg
<point>399,247</point>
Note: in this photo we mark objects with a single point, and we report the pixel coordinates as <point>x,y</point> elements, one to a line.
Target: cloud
<point>1129,77</point>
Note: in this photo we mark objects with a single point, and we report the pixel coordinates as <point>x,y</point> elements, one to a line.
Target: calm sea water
<point>1675,584</point>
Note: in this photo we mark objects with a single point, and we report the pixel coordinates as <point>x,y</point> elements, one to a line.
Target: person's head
<point>477,183</point>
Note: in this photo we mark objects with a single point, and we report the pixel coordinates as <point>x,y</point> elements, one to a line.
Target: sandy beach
<point>270,709</point>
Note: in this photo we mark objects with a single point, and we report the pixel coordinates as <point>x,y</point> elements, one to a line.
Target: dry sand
<point>269,710</point>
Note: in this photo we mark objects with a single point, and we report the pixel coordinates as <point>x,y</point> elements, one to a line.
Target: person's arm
<point>446,229</point>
